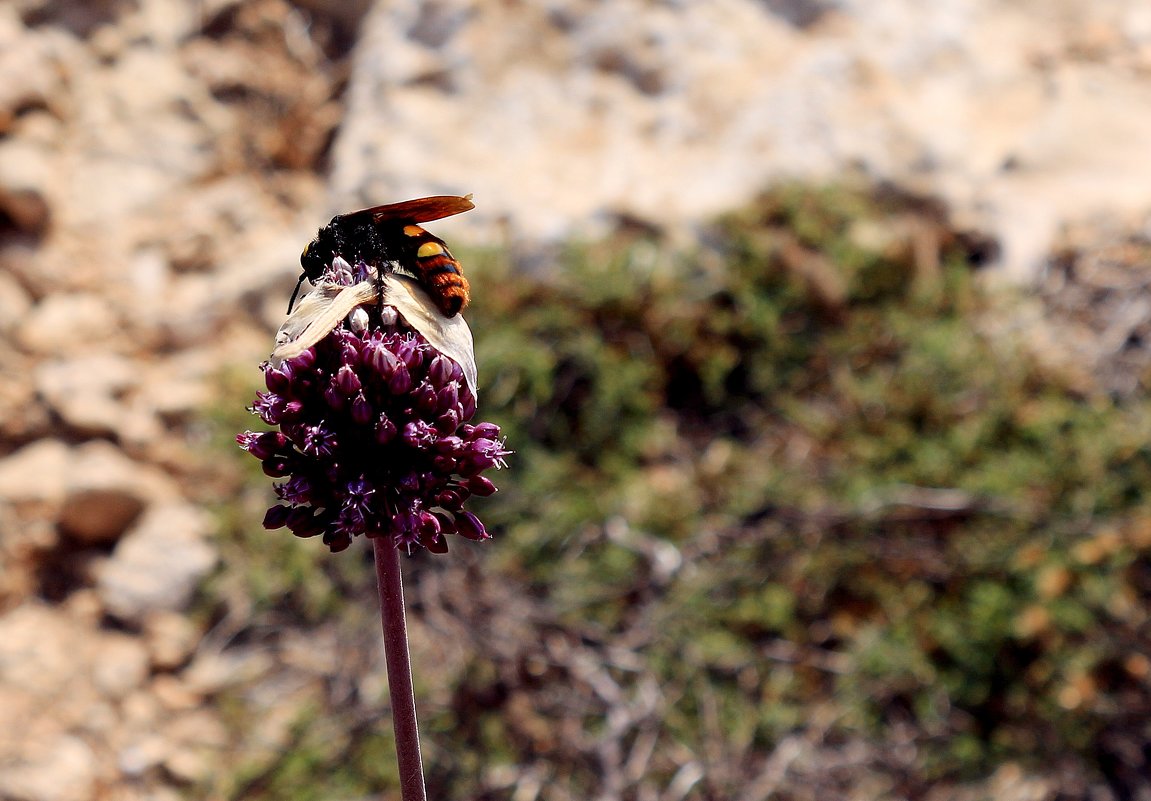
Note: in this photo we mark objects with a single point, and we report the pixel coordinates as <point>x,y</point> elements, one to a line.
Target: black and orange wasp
<point>389,238</point>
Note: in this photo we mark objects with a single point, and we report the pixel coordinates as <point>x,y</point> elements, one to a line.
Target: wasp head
<point>316,258</point>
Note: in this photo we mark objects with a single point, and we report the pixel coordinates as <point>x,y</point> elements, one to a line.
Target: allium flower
<point>373,432</point>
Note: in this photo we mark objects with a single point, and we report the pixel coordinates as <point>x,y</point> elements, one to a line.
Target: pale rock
<point>31,65</point>
<point>40,652</point>
<point>37,473</point>
<point>86,392</point>
<point>63,671</point>
<point>141,427</point>
<point>179,387</point>
<point>167,22</point>
<point>158,564</point>
<point>120,665</point>
<point>174,694</point>
<point>188,765</point>
<point>171,638</point>
<point>142,755</point>
<point>191,311</point>
<point>19,722</point>
<point>141,710</point>
<point>66,323</point>
<point>26,174</point>
<point>194,735</point>
<point>212,671</point>
<point>92,491</point>
<point>64,769</point>
<point>14,302</point>
<point>199,727</point>
<point>107,491</point>
<point>83,606</point>
<point>23,415</point>
<point>140,145</point>
<point>179,397</point>
<point>101,719</point>
<point>148,792</point>
<point>1020,116</point>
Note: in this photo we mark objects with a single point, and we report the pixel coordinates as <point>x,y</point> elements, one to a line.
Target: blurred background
<point>819,328</point>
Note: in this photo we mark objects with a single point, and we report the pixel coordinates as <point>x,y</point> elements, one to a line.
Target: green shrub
<point>793,477</point>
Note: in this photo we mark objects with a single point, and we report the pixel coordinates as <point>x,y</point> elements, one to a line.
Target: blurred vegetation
<point>785,484</point>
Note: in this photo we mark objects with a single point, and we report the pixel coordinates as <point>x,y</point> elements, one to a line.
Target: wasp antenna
<point>296,292</point>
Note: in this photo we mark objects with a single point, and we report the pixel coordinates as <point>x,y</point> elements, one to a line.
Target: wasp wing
<point>319,312</point>
<point>449,335</point>
<point>422,209</point>
<point>326,306</point>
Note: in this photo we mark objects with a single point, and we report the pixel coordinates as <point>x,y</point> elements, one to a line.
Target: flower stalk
<point>399,665</point>
<point>370,393</point>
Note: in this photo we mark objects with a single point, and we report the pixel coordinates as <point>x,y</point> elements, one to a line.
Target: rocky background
<point>163,162</point>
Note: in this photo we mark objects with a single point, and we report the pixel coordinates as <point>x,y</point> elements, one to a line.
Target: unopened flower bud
<point>452,498</point>
<point>278,379</point>
<point>381,360</point>
<point>401,381</point>
<point>277,467</point>
<point>266,444</point>
<point>409,353</point>
<point>440,370</point>
<point>276,516</point>
<point>362,411</point>
<point>358,320</point>
<point>302,362</point>
<point>448,397</point>
<point>385,430</point>
<point>480,485</point>
<point>425,398</point>
<point>347,381</point>
<point>467,404</point>
<point>487,431</point>
<point>336,400</point>
<point>468,525</point>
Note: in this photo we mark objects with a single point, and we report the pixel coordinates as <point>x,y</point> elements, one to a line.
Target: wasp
<point>389,238</point>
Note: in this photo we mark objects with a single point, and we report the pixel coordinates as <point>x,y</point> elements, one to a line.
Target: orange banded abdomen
<point>438,270</point>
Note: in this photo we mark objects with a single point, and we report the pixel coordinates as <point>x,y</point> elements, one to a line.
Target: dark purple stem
<point>399,670</point>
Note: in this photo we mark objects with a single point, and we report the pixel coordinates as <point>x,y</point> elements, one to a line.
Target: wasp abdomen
<point>438,271</point>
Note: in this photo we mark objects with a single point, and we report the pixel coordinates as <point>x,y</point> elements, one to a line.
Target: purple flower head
<point>373,418</point>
